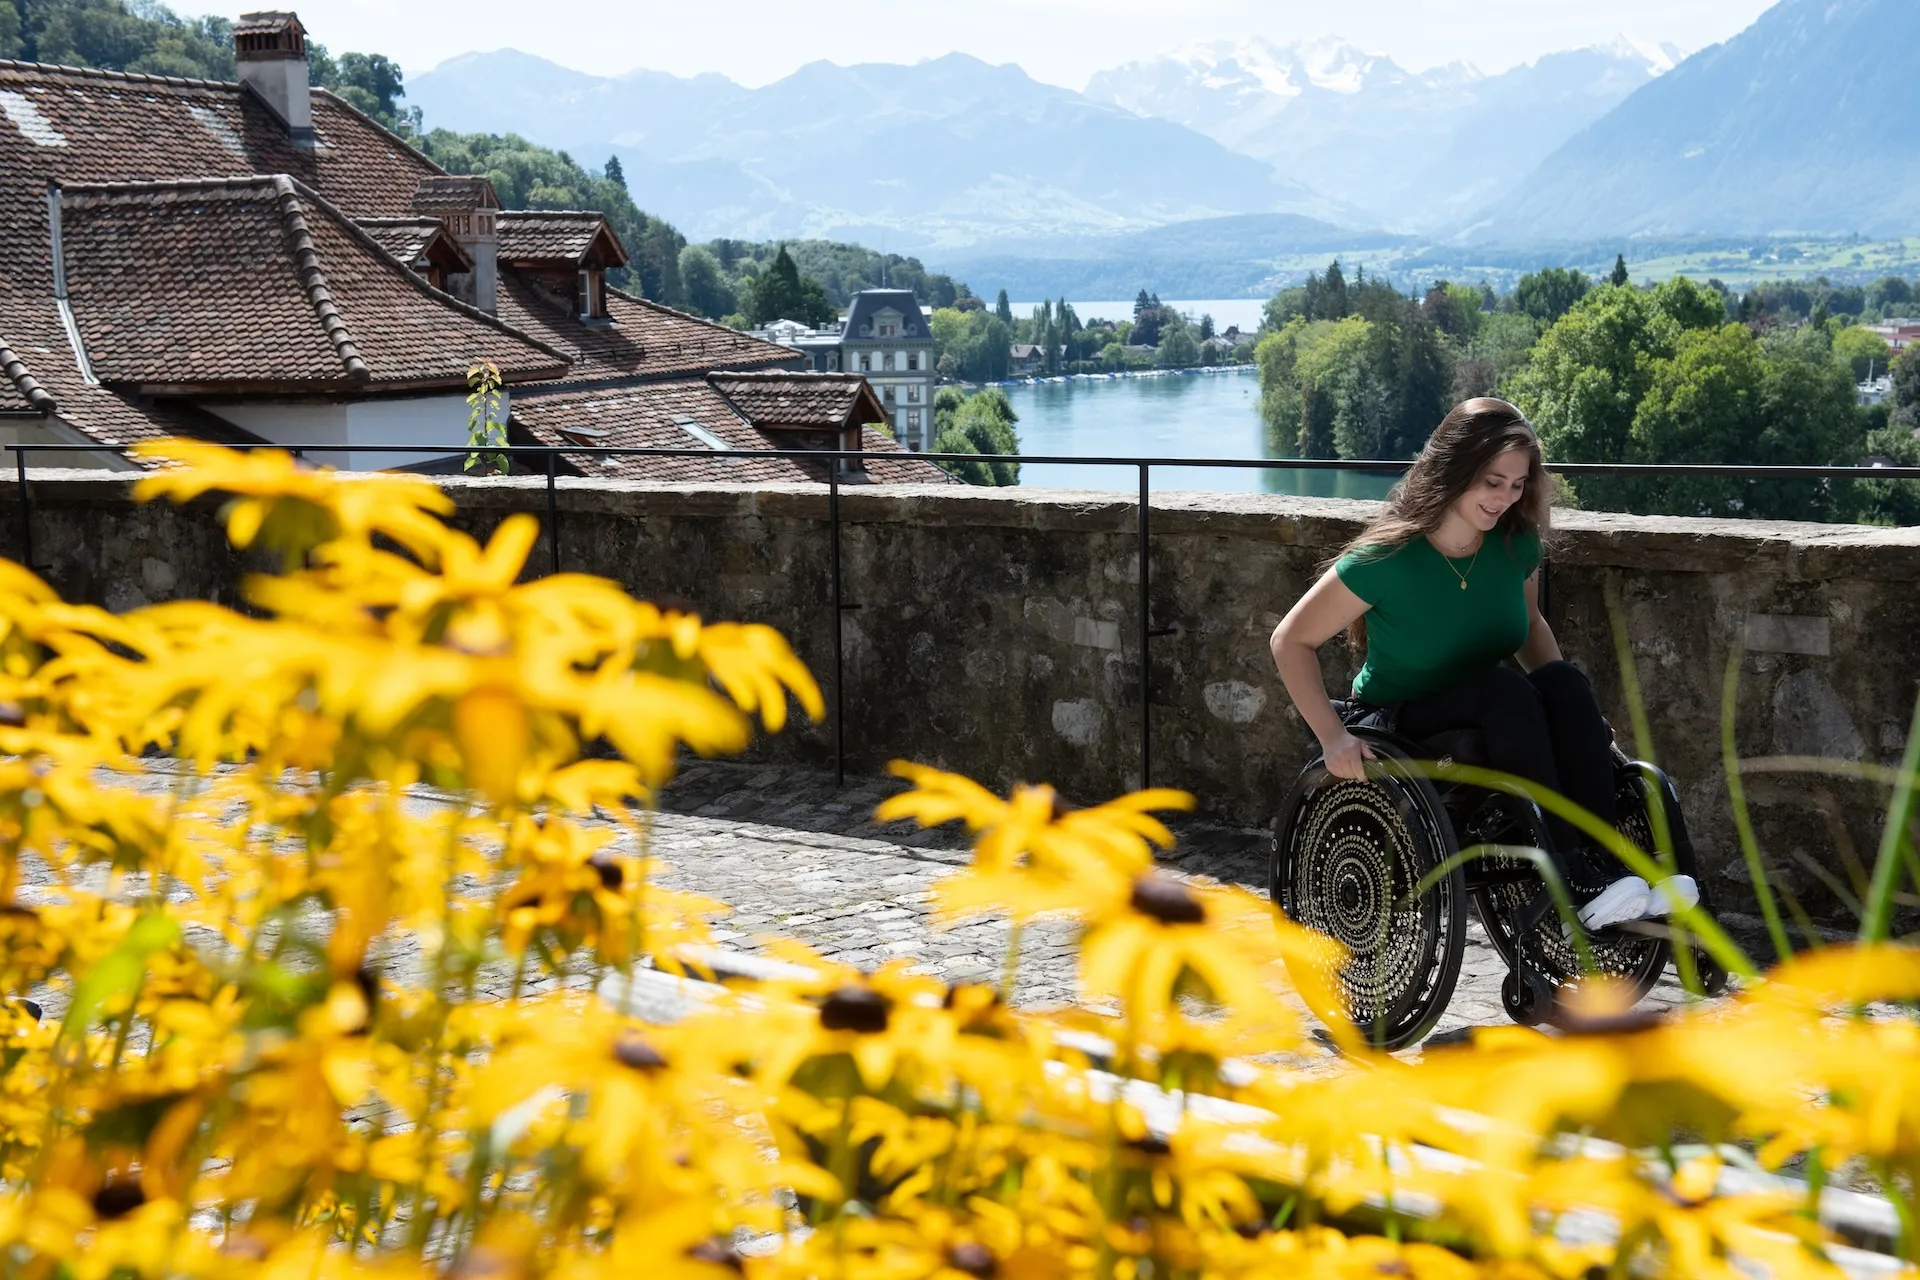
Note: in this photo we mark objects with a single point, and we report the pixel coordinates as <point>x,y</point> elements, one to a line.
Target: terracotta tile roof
<point>644,340</point>
<point>450,193</point>
<point>529,235</point>
<point>408,239</point>
<point>258,281</point>
<point>83,125</point>
<point>800,401</point>
<point>659,415</point>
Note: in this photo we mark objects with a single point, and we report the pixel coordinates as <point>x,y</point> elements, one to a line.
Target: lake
<point>1197,415</point>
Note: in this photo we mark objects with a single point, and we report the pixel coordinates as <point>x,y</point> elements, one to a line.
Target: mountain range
<point>1794,126</point>
<point>1419,151</point>
<point>1257,149</point>
<point>951,151</point>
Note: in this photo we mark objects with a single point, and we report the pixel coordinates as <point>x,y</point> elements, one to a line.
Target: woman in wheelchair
<point>1442,590</point>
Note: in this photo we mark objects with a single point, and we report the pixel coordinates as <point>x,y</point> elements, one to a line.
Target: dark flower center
<point>859,1009</point>
<point>632,1051</point>
<point>973,1259</point>
<point>118,1199</point>
<point>612,869</point>
<point>1151,1144</point>
<point>1166,900</point>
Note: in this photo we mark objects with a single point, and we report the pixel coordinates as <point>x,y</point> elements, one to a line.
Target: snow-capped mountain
<point>1417,149</point>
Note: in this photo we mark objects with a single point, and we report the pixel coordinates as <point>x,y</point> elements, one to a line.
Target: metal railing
<point>1144,467</point>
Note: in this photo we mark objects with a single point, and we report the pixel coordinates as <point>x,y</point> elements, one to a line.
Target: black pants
<point>1544,726</point>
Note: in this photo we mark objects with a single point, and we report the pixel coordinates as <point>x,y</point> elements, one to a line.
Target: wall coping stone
<point>1799,551</point>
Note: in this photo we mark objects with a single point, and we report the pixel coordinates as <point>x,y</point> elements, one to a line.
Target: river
<point>1195,415</point>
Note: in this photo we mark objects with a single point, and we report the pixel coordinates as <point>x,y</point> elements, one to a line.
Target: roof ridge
<point>715,324</point>
<point>102,73</point>
<point>313,278</point>
<point>359,234</point>
<point>29,386</point>
<point>557,213</point>
<point>231,182</point>
<point>822,375</point>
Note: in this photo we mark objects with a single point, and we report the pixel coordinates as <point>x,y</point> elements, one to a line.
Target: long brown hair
<point>1465,443</point>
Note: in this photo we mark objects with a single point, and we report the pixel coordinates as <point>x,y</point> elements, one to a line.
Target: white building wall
<point>434,420</point>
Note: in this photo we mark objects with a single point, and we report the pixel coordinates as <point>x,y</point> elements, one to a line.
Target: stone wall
<point>996,632</point>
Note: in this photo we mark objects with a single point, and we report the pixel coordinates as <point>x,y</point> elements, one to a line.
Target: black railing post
<point>553,518</point>
<point>1146,665</point>
<point>839,662</point>
<point>26,511</point>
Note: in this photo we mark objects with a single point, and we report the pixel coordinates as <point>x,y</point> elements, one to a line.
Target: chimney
<point>470,210</point>
<point>271,50</point>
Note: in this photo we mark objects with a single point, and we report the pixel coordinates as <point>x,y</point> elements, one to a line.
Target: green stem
<point>1742,821</point>
<point>1886,865</point>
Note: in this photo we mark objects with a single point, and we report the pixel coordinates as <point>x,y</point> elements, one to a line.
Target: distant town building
<point>1025,359</point>
<point>885,338</point>
<point>1898,332</point>
<point>1875,390</point>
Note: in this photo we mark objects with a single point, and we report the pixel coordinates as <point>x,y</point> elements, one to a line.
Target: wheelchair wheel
<point>1636,958</point>
<point>1346,858</point>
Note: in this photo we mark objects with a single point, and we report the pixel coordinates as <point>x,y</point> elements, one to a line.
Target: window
<point>913,362</point>
<point>866,362</point>
<point>888,330</point>
<point>833,361</point>
<point>913,419</point>
<point>886,362</point>
<point>889,394</point>
<point>913,393</point>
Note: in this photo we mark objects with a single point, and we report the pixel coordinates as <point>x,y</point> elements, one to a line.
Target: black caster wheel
<point>1526,997</point>
<point>1713,974</point>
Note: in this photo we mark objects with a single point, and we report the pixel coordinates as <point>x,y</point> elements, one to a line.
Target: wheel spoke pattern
<point>1636,959</point>
<point>1356,852</point>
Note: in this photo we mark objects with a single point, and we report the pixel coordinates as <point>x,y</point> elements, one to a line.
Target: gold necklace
<point>1469,573</point>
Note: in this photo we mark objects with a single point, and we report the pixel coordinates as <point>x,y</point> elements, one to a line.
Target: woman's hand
<point>1346,757</point>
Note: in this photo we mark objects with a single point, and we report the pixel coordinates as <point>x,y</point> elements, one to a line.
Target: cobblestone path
<point>795,855</point>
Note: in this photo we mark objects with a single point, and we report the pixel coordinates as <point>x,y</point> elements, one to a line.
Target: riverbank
<point>1117,375</point>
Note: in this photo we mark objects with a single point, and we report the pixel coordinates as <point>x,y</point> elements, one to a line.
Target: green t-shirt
<point>1424,632</point>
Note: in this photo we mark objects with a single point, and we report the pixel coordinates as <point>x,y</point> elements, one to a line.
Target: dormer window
<point>591,297</point>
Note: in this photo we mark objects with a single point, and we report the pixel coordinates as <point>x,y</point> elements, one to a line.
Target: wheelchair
<point>1347,856</point>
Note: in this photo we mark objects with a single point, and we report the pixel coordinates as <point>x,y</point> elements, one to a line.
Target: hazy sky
<point>1062,41</point>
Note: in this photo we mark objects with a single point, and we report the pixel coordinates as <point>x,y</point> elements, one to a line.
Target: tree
<point>373,83</point>
<point>1177,350</point>
<point>1905,397</point>
<point>1333,294</point>
<point>1864,352</point>
<point>1141,303</point>
<point>780,293</point>
<point>981,423</point>
<point>705,284</point>
<point>1547,295</point>
<point>1206,328</point>
<point>1309,379</point>
<point>1003,309</point>
<point>1619,276</point>
<point>1719,398</point>
<point>615,172</point>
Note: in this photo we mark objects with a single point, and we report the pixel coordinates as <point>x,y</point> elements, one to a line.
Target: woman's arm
<point>1325,611</point>
<point>1540,648</point>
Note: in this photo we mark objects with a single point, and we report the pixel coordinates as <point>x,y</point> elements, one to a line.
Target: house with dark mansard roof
<point>259,261</point>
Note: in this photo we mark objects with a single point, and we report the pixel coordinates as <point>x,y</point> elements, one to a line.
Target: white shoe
<point>1675,893</point>
<point>1628,898</point>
